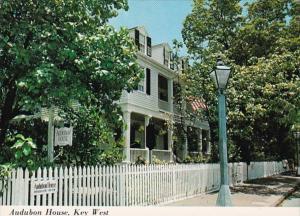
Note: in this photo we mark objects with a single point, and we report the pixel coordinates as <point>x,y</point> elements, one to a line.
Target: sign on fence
<point>63,136</point>
<point>44,187</point>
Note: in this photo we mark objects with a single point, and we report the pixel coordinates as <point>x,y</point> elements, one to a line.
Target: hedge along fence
<point>124,185</point>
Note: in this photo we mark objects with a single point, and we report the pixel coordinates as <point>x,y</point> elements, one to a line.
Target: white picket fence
<point>125,185</point>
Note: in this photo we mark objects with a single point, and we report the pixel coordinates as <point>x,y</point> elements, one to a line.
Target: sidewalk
<point>262,192</point>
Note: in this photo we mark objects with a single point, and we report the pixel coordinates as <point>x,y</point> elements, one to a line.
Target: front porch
<point>146,138</point>
<point>191,141</point>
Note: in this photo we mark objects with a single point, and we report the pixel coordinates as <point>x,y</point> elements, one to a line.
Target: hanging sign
<point>63,136</point>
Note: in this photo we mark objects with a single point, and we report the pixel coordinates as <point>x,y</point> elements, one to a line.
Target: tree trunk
<point>7,113</point>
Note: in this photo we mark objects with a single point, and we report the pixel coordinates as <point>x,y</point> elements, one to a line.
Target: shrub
<point>140,160</point>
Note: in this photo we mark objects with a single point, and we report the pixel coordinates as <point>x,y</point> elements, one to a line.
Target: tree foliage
<point>56,51</point>
<point>262,47</point>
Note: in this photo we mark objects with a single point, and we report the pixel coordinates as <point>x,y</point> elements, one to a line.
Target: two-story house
<point>149,110</point>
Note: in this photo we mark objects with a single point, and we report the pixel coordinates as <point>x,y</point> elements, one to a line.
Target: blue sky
<point>163,19</point>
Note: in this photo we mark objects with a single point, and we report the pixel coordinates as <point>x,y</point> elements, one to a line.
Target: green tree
<point>56,51</point>
<point>262,47</point>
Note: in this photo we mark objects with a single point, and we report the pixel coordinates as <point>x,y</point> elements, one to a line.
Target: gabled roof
<point>162,44</point>
<point>141,29</point>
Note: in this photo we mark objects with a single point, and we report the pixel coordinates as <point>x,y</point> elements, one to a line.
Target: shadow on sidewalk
<point>275,185</point>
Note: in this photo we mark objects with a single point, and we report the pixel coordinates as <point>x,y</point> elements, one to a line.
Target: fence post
<point>51,194</point>
<point>70,186</point>
<point>122,185</point>
<point>26,188</point>
<point>14,187</point>
<point>57,179</point>
<point>75,187</point>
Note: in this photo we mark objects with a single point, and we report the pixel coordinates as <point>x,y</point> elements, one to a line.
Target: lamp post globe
<point>220,76</point>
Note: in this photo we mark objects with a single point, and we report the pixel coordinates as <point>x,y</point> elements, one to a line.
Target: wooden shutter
<point>149,51</point>
<point>137,38</point>
<point>148,81</point>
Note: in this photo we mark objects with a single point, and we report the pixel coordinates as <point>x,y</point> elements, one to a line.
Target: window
<point>142,43</point>
<point>162,88</point>
<point>149,51</point>
<point>141,85</point>
<point>172,65</point>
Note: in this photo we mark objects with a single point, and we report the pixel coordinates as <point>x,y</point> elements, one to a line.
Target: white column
<point>170,143</point>
<point>170,130</point>
<point>147,119</point>
<point>208,143</point>
<point>126,134</point>
<point>200,140</point>
<point>185,144</point>
<point>170,94</point>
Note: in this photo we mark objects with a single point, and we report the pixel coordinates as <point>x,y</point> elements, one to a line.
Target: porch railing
<point>163,155</point>
<point>136,152</point>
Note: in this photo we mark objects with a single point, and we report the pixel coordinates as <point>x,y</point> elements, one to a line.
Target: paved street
<point>293,200</point>
<point>260,192</point>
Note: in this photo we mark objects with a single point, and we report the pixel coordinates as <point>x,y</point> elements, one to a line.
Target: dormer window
<point>149,50</point>
<point>143,42</point>
<point>184,64</point>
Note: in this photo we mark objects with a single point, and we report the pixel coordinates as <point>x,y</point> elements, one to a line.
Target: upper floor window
<point>172,62</point>
<point>143,42</point>
<point>149,50</point>
<point>141,85</point>
<point>184,64</point>
<point>145,84</point>
<point>162,88</point>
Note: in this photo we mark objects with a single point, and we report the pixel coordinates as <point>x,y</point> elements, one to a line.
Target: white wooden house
<point>148,109</point>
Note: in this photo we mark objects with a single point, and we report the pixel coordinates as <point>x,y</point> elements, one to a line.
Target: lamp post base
<point>224,197</point>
